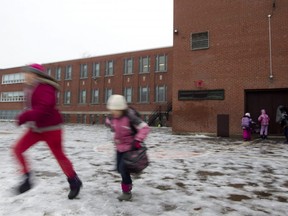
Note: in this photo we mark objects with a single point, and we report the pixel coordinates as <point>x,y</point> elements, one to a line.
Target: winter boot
<point>75,185</point>
<point>25,185</point>
<point>126,192</point>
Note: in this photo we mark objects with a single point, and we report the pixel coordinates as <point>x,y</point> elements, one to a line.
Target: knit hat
<point>37,69</point>
<point>247,114</point>
<point>116,102</point>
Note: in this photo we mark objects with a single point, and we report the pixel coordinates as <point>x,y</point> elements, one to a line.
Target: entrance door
<point>269,99</point>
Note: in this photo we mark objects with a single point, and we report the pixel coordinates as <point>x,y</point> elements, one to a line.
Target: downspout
<point>270,47</point>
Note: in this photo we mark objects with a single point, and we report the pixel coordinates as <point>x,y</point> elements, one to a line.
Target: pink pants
<point>246,134</point>
<point>54,142</point>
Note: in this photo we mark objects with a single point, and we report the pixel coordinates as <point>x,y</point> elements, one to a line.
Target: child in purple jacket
<point>125,137</point>
<point>246,123</point>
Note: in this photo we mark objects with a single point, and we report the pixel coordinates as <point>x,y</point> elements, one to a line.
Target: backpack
<point>131,114</point>
<point>245,122</point>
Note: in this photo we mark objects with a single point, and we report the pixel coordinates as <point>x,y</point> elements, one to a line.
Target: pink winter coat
<point>42,112</point>
<point>263,118</point>
<point>123,136</point>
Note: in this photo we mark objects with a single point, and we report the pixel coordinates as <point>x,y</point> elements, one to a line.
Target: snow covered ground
<point>189,175</point>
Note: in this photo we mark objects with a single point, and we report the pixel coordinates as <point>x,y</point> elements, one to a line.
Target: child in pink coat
<point>264,121</point>
<point>44,123</point>
<point>125,137</point>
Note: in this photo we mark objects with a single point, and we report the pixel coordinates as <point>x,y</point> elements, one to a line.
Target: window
<point>13,78</point>
<point>67,97</point>
<point>161,63</point>
<point>58,97</point>
<point>82,97</point>
<point>49,71</point>
<point>128,66</point>
<point>143,94</point>
<point>96,70</point>
<point>144,64</point>
<point>108,93</point>
<point>16,96</point>
<point>128,94</point>
<point>9,114</point>
<point>68,72</point>
<point>199,40</point>
<point>84,119</point>
<point>79,118</point>
<point>95,96</point>
<point>217,94</point>
<point>109,70</point>
<point>66,118</point>
<point>58,73</point>
<point>83,71</point>
<point>161,94</point>
<point>92,119</point>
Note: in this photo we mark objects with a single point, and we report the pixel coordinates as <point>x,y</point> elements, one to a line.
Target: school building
<point>227,58</point>
<point>144,77</point>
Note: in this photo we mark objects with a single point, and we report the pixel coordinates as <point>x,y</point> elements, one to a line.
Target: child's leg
<point>262,130</point>
<point>126,177</point>
<point>54,141</point>
<point>25,142</point>
<point>246,134</point>
<point>126,183</point>
<point>249,133</point>
<point>266,130</point>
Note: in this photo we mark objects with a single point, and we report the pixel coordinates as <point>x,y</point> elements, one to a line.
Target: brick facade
<point>237,58</point>
<point>94,113</point>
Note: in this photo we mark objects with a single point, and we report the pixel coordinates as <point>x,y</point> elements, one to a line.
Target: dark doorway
<point>223,125</point>
<point>268,99</point>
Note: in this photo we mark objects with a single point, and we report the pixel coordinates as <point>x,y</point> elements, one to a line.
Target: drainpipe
<point>270,47</point>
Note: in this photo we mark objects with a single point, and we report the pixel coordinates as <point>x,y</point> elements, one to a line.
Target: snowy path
<point>189,175</point>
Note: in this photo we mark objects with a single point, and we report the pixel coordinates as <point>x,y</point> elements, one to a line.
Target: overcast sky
<point>46,31</point>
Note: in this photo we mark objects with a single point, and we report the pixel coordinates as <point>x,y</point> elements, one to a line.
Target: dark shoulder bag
<point>136,160</point>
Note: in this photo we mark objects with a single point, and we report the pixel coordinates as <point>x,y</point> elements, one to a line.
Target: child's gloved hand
<point>137,144</point>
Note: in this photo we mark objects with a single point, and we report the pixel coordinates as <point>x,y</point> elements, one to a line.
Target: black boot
<point>25,185</point>
<point>75,185</point>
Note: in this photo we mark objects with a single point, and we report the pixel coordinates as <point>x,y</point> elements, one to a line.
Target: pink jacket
<point>42,113</point>
<point>264,118</point>
<point>123,136</point>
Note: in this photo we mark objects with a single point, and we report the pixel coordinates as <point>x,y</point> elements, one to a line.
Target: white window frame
<point>143,90</point>
<point>128,94</point>
<point>161,63</point>
<point>144,67</point>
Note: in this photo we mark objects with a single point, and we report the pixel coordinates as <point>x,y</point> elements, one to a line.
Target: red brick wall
<point>237,58</point>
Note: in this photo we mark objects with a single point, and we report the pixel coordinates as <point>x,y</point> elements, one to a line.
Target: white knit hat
<point>116,102</point>
<point>247,114</point>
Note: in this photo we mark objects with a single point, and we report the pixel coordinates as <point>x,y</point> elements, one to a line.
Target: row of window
<point>160,95</point>
<point>143,97</point>
<point>93,118</point>
<point>13,78</point>
<point>12,96</point>
<point>8,114</point>
<point>128,67</point>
